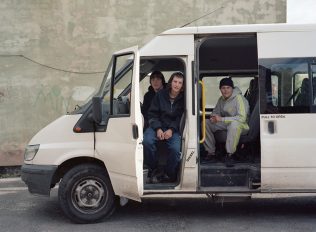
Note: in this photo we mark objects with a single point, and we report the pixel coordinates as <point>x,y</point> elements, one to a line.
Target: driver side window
<point>123,73</point>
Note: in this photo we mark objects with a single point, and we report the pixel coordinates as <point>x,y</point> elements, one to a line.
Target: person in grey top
<point>230,114</point>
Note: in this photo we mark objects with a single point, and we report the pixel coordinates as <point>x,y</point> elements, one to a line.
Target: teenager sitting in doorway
<point>230,114</point>
<point>164,117</point>
<point>157,83</point>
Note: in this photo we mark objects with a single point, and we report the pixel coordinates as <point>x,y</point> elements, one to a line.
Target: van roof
<point>180,41</point>
<point>240,28</point>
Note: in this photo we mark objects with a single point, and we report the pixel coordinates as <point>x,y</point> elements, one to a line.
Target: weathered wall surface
<point>80,36</point>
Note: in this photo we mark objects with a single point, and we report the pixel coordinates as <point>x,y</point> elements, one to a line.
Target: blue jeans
<point>150,151</point>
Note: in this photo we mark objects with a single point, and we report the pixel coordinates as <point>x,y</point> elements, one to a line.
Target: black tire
<point>85,194</point>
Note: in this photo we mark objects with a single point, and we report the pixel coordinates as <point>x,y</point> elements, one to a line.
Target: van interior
<point>166,65</point>
<point>284,88</point>
<point>218,57</point>
<point>233,56</point>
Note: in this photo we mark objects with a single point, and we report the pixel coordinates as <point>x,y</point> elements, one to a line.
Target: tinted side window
<point>285,85</point>
<point>313,74</point>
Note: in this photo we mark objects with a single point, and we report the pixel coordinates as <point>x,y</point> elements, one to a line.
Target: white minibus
<point>95,153</point>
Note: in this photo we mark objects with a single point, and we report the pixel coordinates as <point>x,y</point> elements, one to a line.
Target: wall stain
<point>53,98</point>
<point>1,97</point>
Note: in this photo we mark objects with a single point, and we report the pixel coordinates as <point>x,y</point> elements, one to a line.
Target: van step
<point>254,184</point>
<point>218,175</point>
<point>223,178</point>
<point>161,186</point>
<point>226,190</point>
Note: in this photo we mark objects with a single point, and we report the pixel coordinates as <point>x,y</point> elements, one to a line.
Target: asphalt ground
<point>21,211</point>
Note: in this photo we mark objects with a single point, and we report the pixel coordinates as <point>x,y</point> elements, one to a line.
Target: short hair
<point>173,75</point>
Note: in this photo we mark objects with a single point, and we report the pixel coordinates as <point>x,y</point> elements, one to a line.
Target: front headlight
<point>30,152</point>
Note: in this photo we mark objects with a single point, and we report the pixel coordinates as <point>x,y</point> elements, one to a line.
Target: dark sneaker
<point>210,158</point>
<point>147,178</point>
<point>154,180</point>
<point>156,176</point>
<point>166,179</point>
<point>229,160</point>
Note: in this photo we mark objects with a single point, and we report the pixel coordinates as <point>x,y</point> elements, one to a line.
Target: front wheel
<point>85,194</point>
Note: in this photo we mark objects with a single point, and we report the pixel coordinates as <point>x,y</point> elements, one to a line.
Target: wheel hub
<point>89,194</point>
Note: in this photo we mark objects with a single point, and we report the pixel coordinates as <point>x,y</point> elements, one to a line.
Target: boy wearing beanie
<point>230,114</point>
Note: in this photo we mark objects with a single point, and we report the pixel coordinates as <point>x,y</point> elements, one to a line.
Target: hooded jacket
<point>235,108</point>
<point>164,114</point>
<point>148,97</point>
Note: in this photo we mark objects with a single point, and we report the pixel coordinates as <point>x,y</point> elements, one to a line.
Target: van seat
<point>302,98</point>
<point>121,105</point>
<point>254,128</point>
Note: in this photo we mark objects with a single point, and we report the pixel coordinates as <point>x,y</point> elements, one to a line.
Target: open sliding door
<point>287,111</point>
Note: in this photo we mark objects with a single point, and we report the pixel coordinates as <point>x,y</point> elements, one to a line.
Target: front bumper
<point>38,178</point>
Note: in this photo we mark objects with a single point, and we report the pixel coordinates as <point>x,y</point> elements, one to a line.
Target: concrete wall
<point>80,36</point>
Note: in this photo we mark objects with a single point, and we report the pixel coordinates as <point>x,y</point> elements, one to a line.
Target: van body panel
<point>189,179</point>
<point>58,142</point>
<point>169,45</point>
<point>246,28</point>
<point>283,152</point>
<point>189,167</point>
<point>189,174</point>
<point>60,130</point>
<point>286,44</point>
<point>288,179</point>
<point>117,147</point>
<point>288,156</point>
<point>288,140</point>
<point>292,145</point>
<point>114,140</point>
<point>64,151</point>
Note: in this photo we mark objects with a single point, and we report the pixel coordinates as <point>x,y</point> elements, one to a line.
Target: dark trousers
<point>150,151</point>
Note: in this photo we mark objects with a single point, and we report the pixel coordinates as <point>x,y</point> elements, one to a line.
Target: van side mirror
<point>97,109</point>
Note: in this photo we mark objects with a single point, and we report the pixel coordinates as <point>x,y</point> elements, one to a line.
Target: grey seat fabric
<point>182,124</point>
<point>121,106</point>
<point>254,128</point>
<point>302,98</point>
<point>252,93</point>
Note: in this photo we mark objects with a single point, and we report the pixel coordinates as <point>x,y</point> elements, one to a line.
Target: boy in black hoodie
<point>164,117</point>
<point>157,82</point>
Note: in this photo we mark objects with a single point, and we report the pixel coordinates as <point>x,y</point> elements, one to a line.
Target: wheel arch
<point>64,167</point>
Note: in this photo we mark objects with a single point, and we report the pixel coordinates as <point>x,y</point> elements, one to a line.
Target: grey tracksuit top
<point>235,108</point>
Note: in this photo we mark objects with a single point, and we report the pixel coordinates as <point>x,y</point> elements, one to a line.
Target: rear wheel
<point>86,194</point>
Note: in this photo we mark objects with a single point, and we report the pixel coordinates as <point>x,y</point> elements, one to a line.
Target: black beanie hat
<point>226,82</point>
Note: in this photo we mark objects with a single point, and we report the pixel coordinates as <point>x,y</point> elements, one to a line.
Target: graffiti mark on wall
<point>62,99</point>
<point>1,96</point>
<point>53,98</point>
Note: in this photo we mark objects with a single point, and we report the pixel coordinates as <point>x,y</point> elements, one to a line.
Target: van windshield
<point>106,83</point>
<point>122,65</point>
<point>105,87</point>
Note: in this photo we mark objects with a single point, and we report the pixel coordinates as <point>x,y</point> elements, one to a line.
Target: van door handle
<point>271,127</point>
<point>135,131</point>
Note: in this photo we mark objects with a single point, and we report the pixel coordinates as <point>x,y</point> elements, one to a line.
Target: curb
<point>10,171</point>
